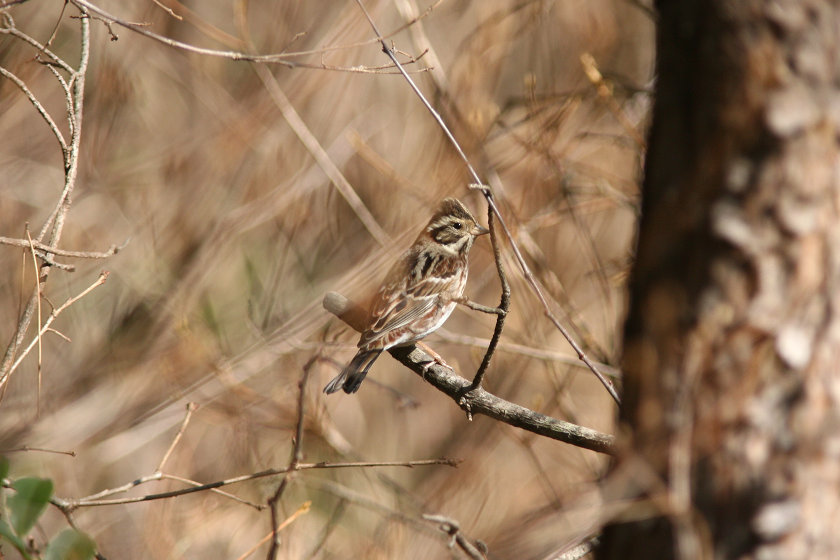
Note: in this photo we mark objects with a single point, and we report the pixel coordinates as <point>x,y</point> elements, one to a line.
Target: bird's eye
<point>457,225</point>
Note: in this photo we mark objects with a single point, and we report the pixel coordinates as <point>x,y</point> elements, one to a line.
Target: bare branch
<point>479,307</point>
<point>46,326</point>
<point>9,28</point>
<point>29,448</point>
<point>91,501</point>
<point>40,108</point>
<point>504,304</point>
<point>43,249</point>
<point>38,314</point>
<point>191,407</point>
<point>297,455</point>
<point>304,508</point>
<point>168,10</point>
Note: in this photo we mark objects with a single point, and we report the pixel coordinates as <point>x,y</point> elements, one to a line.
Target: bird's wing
<point>412,290</point>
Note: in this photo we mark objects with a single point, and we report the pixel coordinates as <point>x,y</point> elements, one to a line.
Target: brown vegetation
<point>220,182</point>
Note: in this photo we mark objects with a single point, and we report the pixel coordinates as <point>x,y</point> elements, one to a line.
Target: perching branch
<point>476,401</point>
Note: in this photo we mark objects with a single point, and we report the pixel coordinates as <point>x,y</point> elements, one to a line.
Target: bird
<point>419,293</point>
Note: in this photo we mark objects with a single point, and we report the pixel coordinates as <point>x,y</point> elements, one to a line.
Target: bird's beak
<point>479,230</point>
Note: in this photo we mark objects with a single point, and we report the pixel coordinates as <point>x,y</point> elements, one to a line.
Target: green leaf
<point>6,533</point>
<point>4,467</point>
<point>28,502</point>
<point>70,545</point>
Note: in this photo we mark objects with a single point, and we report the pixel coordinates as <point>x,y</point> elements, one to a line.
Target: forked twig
<point>191,407</point>
<point>93,501</point>
<point>488,195</point>
<point>40,108</point>
<point>297,455</point>
<point>67,506</point>
<point>42,249</point>
<point>304,508</point>
<point>52,316</point>
<point>504,305</point>
<point>54,225</point>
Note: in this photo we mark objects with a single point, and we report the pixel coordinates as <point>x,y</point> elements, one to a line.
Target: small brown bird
<point>419,293</point>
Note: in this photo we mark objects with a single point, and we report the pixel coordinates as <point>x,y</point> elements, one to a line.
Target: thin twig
<point>522,350</point>
<point>38,335</point>
<point>53,315</point>
<point>42,249</point>
<point>504,305</point>
<point>488,195</point>
<point>40,108</point>
<point>304,508</point>
<point>10,29</point>
<point>168,10</point>
<point>235,498</point>
<point>11,3</point>
<point>57,24</point>
<point>92,501</point>
<point>297,455</point>
<point>479,307</point>
<point>159,475</point>
<point>191,407</point>
<point>29,448</point>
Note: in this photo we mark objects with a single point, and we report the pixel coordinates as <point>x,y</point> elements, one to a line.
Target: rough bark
<point>731,414</point>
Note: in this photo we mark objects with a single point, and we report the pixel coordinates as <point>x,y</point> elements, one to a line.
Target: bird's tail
<point>354,373</point>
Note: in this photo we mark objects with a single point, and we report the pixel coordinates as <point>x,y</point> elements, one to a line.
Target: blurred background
<point>235,232</point>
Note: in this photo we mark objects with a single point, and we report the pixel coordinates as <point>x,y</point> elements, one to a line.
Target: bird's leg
<point>436,358</point>
<point>466,302</point>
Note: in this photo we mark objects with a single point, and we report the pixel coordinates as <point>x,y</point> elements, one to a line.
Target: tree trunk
<point>731,414</point>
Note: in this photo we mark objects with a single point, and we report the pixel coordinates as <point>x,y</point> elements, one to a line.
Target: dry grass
<point>235,234</point>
